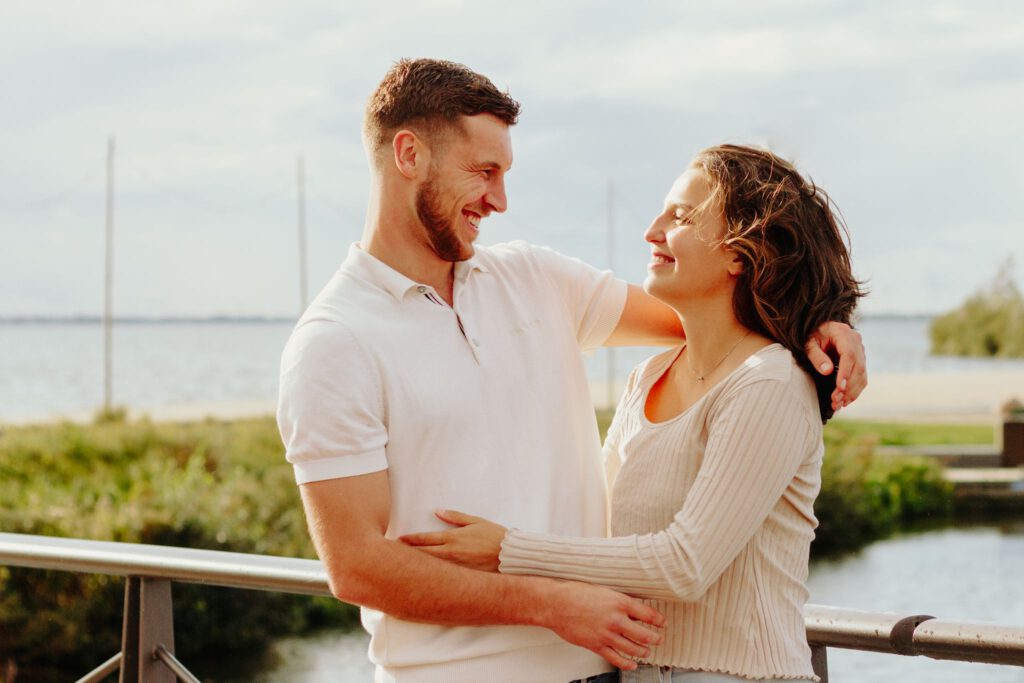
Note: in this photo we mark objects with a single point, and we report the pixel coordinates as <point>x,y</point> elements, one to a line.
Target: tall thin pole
<point>303,279</point>
<point>108,286</point>
<point>610,383</point>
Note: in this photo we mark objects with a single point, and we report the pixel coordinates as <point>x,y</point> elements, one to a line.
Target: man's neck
<point>400,245</point>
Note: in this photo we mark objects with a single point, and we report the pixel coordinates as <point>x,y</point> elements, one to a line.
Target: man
<point>430,373</point>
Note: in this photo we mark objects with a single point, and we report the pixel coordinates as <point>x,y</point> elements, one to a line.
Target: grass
<point>888,433</point>
<point>913,434</point>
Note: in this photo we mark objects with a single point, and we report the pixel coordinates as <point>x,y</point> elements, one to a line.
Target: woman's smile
<point>659,259</point>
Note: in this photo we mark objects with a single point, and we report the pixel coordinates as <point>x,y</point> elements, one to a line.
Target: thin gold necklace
<point>701,378</point>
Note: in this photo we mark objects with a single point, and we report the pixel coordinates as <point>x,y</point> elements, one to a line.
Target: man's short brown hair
<point>429,95</point>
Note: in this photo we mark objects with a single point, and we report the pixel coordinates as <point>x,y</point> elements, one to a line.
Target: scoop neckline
<point>650,385</point>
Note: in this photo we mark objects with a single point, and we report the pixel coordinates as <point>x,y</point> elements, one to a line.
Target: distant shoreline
<point>960,397</point>
<point>275,319</point>
<point>142,320</point>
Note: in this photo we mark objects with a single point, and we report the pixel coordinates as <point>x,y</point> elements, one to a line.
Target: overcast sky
<point>908,113</point>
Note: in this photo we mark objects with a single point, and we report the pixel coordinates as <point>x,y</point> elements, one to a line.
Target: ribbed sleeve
<point>712,519</point>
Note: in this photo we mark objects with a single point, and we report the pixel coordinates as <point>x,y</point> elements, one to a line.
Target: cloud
<point>906,113</point>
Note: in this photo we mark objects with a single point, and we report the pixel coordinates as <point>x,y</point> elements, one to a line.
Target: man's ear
<point>411,156</point>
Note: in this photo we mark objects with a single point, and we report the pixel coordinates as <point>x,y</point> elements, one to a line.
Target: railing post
<point>156,627</point>
<point>819,662</point>
<point>1013,434</point>
<point>148,623</point>
<point>130,631</point>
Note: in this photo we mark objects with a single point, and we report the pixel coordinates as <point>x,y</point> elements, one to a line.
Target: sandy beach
<point>959,396</point>
<point>916,397</point>
<point>922,397</point>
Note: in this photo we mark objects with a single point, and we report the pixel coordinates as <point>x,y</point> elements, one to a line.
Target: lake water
<point>966,573</point>
<point>49,369</point>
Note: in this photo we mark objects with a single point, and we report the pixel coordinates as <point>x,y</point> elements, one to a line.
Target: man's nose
<point>496,198</point>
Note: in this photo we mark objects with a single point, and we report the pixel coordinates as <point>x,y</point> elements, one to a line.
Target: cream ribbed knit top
<point>711,519</point>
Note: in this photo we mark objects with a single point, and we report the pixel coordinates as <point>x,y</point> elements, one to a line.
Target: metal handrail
<point>188,565</point>
<point>924,635</point>
<point>827,626</point>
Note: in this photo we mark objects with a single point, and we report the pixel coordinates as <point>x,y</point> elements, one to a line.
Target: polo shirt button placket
<point>429,295</point>
<point>471,339</point>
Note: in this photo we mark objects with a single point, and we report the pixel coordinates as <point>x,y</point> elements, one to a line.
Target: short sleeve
<point>593,298</point>
<point>331,406</point>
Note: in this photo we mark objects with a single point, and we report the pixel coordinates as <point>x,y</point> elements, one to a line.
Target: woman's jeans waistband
<point>646,673</point>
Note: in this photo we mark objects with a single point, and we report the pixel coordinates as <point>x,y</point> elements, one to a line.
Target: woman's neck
<point>715,340</point>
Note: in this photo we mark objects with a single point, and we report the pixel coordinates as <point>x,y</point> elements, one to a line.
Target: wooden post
<point>108,287</point>
<point>610,350</point>
<point>303,278</point>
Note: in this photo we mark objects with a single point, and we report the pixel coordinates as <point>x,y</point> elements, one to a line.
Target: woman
<point>715,451</point>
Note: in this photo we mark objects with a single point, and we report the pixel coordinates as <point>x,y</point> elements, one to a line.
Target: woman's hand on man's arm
<point>474,542</point>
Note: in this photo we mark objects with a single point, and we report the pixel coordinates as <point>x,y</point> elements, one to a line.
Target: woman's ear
<point>736,264</point>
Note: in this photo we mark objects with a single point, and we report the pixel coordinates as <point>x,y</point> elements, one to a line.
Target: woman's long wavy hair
<point>792,241</point>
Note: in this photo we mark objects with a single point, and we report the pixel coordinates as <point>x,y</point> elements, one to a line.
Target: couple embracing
<point>436,411</point>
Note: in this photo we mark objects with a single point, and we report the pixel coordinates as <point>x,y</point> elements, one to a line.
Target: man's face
<point>466,182</point>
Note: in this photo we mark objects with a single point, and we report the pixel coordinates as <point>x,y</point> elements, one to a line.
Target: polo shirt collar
<point>376,272</point>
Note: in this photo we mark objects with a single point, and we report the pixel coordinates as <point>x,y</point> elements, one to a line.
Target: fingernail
<point>842,383</point>
<point>824,367</point>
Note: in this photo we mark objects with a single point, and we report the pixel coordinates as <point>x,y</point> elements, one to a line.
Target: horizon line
<point>89,319</point>
<point>267,318</point>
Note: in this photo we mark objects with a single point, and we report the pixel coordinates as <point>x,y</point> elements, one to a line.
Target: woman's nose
<point>654,232</point>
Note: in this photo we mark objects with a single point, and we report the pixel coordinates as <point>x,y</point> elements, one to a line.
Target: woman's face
<point>688,263</point>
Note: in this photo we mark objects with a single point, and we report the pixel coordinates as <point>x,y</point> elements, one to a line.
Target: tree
<point>990,323</point>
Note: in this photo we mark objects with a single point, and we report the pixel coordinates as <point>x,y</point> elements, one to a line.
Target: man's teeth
<point>473,220</point>
<point>661,258</point>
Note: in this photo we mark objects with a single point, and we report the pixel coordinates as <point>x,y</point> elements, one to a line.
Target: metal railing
<point>147,652</point>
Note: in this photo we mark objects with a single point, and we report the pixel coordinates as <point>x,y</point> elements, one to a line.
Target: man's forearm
<point>411,585</point>
<point>347,520</point>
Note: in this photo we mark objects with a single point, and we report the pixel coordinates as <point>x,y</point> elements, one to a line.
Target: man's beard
<point>440,230</point>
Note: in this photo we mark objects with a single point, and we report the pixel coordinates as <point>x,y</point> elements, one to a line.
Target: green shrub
<point>865,497</point>
<point>214,485</point>
<point>990,323</point>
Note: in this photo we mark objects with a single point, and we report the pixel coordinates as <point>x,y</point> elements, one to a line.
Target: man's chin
<point>455,254</point>
<point>462,251</point>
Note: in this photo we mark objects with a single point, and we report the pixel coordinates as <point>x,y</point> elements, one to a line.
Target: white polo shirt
<point>482,407</point>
